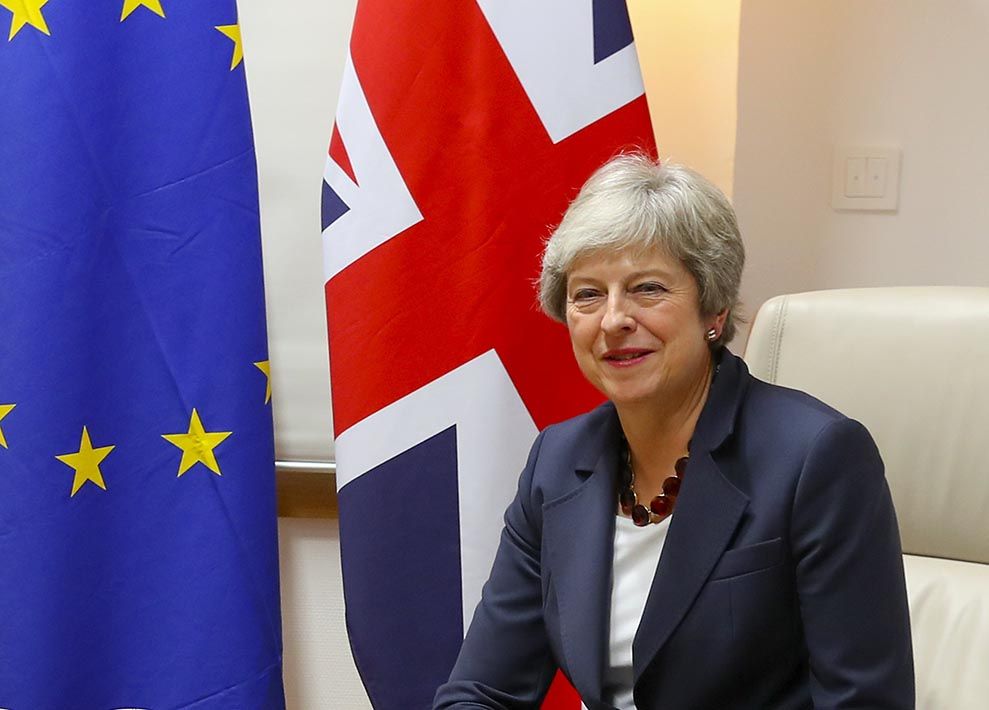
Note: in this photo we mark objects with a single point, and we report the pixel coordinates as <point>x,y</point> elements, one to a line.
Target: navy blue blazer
<point>780,583</point>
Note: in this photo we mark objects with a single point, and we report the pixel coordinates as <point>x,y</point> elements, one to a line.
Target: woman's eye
<point>649,288</point>
<point>586,299</point>
<point>582,295</point>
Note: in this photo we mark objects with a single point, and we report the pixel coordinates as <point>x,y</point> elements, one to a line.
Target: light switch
<point>865,178</point>
<point>855,177</point>
<point>875,177</point>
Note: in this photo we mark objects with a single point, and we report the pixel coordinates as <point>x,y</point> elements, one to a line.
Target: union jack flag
<point>463,130</point>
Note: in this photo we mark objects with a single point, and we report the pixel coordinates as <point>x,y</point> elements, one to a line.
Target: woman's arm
<point>505,661</point>
<point>850,581</point>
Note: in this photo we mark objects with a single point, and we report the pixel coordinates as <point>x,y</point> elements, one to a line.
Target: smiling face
<point>636,327</point>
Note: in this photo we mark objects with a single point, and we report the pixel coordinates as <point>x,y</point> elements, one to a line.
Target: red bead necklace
<point>660,507</point>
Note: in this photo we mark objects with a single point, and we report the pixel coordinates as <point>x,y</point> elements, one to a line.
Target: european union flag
<point>137,517</point>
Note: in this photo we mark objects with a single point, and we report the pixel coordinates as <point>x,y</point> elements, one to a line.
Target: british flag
<point>464,128</point>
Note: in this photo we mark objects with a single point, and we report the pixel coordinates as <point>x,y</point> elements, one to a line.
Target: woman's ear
<point>718,323</point>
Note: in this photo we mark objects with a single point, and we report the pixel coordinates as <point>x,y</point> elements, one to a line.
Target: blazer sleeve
<point>505,661</point>
<point>849,575</point>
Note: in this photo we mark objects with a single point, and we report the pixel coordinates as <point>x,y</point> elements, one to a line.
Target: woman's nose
<point>617,315</point>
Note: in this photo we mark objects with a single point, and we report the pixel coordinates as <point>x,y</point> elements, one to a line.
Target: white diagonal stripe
<point>380,203</point>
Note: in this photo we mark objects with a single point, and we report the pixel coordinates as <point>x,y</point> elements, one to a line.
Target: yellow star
<point>197,445</point>
<point>86,462</point>
<point>26,12</point>
<point>131,5</point>
<point>233,32</point>
<point>4,411</point>
<point>265,367</point>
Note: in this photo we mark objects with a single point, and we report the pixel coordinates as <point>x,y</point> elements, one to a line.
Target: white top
<point>637,553</point>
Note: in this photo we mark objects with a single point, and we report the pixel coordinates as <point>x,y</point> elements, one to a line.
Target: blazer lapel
<point>578,533</point>
<point>707,513</point>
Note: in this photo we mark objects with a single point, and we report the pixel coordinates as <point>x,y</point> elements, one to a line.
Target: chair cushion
<point>949,617</point>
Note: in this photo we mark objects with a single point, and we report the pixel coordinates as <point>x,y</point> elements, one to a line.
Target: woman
<point>703,539</point>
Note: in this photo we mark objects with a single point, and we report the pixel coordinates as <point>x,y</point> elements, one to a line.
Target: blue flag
<point>137,516</point>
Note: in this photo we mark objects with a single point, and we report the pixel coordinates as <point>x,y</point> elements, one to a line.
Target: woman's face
<point>636,326</point>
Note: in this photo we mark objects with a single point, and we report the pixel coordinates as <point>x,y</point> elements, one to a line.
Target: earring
<point>711,335</point>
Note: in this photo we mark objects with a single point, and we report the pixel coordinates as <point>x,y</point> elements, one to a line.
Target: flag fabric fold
<point>463,130</point>
<point>137,513</point>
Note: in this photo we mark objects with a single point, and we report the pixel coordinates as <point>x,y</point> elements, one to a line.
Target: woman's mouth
<point>625,357</point>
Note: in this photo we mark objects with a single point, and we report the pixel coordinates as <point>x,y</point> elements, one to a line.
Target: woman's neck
<point>658,433</point>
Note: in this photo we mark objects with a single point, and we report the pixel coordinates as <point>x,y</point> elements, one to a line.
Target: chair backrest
<point>912,364</point>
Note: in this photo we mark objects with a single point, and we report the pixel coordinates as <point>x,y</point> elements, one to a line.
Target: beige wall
<point>319,670</point>
<point>881,72</point>
<point>689,57</point>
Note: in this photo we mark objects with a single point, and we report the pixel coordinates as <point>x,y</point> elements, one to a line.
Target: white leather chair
<point>912,364</point>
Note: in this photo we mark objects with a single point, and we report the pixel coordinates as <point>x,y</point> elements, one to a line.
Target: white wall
<point>294,62</point>
<point>875,72</point>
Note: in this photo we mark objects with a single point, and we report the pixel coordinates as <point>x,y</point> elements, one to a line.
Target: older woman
<point>703,539</point>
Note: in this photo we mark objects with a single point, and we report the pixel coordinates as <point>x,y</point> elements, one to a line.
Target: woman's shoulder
<point>797,421</point>
<point>789,408</point>
<point>565,452</point>
<point>581,439</point>
<point>786,439</point>
<point>751,408</point>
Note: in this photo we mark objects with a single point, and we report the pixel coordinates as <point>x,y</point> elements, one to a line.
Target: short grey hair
<point>633,202</point>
